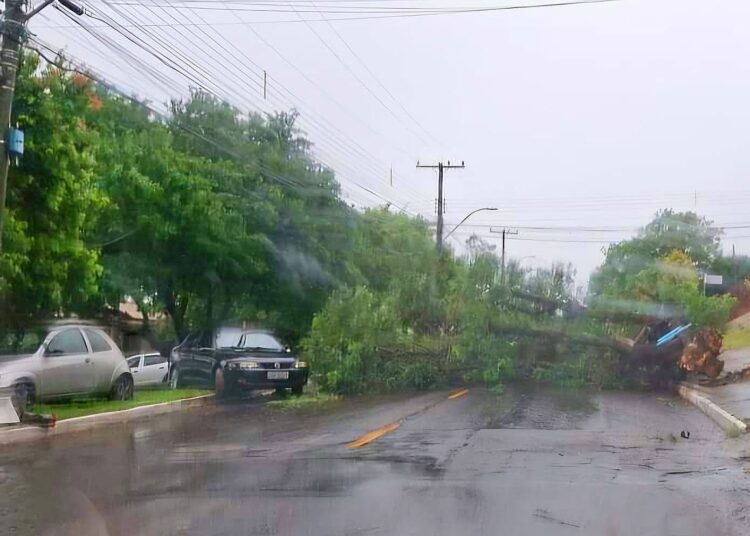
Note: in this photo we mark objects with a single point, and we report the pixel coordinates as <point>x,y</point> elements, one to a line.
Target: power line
<point>561,240</point>
<point>259,167</point>
<point>377,80</point>
<point>265,171</point>
<point>357,147</point>
<point>339,142</point>
<point>583,229</point>
<point>734,197</point>
<point>356,76</point>
<point>365,17</point>
<point>203,84</point>
<point>418,12</point>
<point>114,24</point>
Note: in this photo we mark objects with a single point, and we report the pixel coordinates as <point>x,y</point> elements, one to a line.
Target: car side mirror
<point>288,350</point>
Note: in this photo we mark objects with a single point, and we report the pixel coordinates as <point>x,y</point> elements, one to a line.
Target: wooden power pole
<point>504,231</point>
<point>440,167</point>
<point>13,32</point>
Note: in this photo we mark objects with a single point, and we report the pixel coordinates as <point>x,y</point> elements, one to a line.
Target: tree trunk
<point>176,306</point>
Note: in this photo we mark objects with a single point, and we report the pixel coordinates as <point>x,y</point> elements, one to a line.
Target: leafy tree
<point>555,283</point>
<point>674,280</point>
<point>218,216</point>
<point>48,264</point>
<point>670,231</point>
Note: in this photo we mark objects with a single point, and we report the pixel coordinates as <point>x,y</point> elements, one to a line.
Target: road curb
<point>726,421</point>
<point>77,424</point>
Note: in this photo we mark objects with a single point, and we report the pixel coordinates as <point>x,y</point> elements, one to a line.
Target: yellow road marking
<point>369,437</point>
<point>458,394</point>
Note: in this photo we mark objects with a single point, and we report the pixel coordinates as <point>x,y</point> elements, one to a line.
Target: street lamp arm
<point>469,215</point>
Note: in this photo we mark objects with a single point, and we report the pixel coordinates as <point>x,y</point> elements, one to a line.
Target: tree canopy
<point>214,216</point>
<point>207,214</point>
<point>659,271</point>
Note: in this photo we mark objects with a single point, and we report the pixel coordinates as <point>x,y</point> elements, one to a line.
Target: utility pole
<point>13,34</point>
<point>504,231</point>
<point>440,167</point>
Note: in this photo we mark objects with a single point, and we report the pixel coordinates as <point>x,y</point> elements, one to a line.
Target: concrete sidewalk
<point>735,361</point>
<point>725,399</point>
<point>23,432</point>
<point>733,398</point>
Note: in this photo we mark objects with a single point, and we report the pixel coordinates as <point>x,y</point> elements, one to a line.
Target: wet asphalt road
<point>526,463</point>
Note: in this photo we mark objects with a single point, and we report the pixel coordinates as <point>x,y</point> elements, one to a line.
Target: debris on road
<point>702,354</point>
<point>45,420</point>
<point>661,353</point>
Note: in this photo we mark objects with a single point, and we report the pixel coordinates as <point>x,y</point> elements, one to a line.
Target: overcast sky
<point>592,115</point>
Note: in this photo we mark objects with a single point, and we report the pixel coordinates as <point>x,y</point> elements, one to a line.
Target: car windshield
<point>21,341</point>
<point>228,337</point>
<point>260,341</point>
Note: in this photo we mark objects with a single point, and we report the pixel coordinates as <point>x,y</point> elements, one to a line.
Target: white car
<point>56,361</point>
<point>148,369</point>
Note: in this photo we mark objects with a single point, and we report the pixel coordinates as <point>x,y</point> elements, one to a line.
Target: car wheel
<point>297,390</point>
<point>220,386</point>
<point>122,389</point>
<point>23,398</point>
<point>174,378</point>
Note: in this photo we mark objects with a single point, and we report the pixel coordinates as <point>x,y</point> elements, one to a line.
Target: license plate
<point>278,374</point>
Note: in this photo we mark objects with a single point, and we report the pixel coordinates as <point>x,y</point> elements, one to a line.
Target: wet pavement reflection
<point>529,461</point>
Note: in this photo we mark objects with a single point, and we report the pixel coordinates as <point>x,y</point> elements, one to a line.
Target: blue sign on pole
<point>15,142</point>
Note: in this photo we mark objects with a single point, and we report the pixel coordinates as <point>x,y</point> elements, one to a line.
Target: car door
<point>104,359</point>
<point>134,363</point>
<point>66,364</point>
<point>184,361</point>
<point>203,357</point>
<point>153,369</point>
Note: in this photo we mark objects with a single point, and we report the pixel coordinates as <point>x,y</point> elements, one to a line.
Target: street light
<point>469,215</point>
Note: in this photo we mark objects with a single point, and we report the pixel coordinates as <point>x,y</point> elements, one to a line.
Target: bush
<point>359,343</point>
<point>580,366</point>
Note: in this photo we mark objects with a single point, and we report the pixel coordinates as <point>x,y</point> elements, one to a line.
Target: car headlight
<point>300,364</point>
<point>243,365</point>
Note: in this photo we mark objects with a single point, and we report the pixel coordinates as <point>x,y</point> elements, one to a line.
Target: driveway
<point>529,462</point>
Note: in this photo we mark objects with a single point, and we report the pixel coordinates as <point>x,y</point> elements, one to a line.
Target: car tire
<point>297,390</point>
<point>174,378</point>
<point>23,398</point>
<point>122,389</point>
<point>220,386</point>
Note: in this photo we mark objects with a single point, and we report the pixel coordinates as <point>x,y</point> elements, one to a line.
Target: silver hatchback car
<point>61,361</point>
